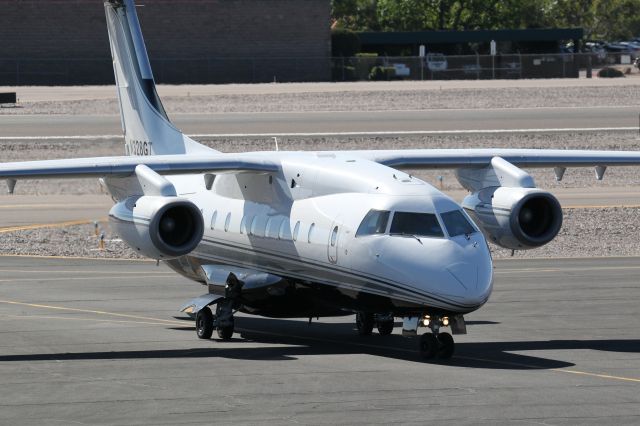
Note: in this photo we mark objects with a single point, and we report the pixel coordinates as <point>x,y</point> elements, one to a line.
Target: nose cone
<point>457,272</point>
<point>471,273</point>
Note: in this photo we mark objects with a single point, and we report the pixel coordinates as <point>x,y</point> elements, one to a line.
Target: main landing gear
<point>366,321</point>
<point>223,321</point>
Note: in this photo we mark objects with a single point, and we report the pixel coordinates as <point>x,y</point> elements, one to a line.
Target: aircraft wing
<point>125,166</point>
<point>471,158</point>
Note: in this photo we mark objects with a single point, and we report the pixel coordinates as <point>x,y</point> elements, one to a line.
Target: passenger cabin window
<point>375,222</point>
<point>268,226</point>
<point>296,230</point>
<point>227,221</point>
<point>243,225</point>
<point>213,219</point>
<point>334,236</point>
<point>457,223</point>
<point>273,227</point>
<point>284,233</point>
<point>311,229</point>
<point>418,224</point>
<point>252,227</point>
<point>258,226</point>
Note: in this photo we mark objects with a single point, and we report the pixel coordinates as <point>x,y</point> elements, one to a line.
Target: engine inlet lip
<point>191,244</point>
<point>551,232</point>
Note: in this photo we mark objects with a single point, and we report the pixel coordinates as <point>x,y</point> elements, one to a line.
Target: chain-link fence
<point>476,67</point>
<point>16,72</point>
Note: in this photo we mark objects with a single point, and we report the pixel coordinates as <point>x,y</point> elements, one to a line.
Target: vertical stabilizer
<point>146,127</point>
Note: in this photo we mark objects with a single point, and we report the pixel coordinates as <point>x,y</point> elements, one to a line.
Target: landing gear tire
<point>226,332</point>
<point>204,323</point>
<point>428,346</point>
<point>364,323</point>
<point>385,327</point>
<point>446,346</point>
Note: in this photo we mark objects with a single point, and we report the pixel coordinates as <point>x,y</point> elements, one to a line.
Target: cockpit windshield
<point>375,222</point>
<point>416,224</point>
<point>457,223</point>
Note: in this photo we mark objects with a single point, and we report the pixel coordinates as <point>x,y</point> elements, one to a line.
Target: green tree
<point>607,19</point>
<point>616,19</point>
<point>418,15</point>
<point>355,15</point>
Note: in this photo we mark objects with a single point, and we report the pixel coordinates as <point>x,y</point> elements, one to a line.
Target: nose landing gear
<point>436,344</point>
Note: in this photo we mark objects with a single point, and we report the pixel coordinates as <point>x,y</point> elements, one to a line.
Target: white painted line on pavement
<point>363,133</point>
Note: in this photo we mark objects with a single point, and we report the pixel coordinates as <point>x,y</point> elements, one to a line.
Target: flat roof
<point>442,37</point>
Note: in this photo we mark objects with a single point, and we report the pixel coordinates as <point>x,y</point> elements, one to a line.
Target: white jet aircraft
<point>313,234</point>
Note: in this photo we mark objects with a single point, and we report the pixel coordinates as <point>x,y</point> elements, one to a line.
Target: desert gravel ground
<point>586,232</point>
<point>454,98</point>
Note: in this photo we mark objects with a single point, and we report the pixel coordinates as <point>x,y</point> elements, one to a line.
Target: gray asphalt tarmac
<point>95,342</point>
<point>335,122</point>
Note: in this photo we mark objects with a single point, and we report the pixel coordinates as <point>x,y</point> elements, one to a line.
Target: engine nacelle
<point>515,218</point>
<point>158,227</point>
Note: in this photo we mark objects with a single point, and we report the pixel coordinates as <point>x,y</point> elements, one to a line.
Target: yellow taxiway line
<point>49,225</point>
<point>53,257</point>
<point>90,311</point>
<point>159,321</point>
<point>41,206</point>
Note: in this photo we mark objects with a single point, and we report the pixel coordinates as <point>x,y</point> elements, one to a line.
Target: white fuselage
<point>301,224</point>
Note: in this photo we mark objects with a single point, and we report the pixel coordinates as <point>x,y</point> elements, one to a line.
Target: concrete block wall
<point>189,41</point>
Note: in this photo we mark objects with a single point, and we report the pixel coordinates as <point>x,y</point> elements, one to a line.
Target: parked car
<point>596,48</point>
<point>401,70</point>
<point>634,47</point>
<point>617,49</point>
<point>436,62</point>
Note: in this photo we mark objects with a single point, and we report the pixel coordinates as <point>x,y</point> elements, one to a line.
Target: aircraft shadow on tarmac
<point>292,339</point>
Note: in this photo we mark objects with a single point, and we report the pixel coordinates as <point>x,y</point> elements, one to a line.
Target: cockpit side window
<point>375,222</point>
<point>456,223</point>
<point>418,224</point>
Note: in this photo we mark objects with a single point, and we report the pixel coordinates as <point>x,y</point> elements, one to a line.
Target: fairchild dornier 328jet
<point>313,234</point>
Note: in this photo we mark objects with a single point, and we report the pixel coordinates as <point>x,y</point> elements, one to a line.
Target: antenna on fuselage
<point>275,139</point>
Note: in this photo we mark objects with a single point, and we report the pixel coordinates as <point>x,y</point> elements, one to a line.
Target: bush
<point>608,72</point>
<point>382,73</point>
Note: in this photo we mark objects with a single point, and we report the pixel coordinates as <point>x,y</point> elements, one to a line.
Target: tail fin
<point>146,127</point>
